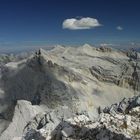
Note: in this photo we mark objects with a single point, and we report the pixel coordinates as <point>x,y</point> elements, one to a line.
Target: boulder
<point>67,131</point>
<point>123,105</point>
<point>127,119</point>
<point>33,135</point>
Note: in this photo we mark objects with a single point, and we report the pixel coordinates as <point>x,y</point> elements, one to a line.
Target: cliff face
<point>74,80</point>
<point>23,113</point>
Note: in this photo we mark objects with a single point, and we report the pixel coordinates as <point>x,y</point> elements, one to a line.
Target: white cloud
<point>79,24</point>
<point>119,28</point>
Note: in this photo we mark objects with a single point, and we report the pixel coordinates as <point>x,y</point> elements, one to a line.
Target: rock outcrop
<point>104,49</point>
<point>110,125</point>
<point>23,113</point>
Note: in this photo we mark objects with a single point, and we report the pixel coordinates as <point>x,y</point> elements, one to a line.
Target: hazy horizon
<point>31,24</point>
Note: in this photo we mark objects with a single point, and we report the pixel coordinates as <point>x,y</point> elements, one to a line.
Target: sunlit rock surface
<point>111,124</point>
<point>63,82</point>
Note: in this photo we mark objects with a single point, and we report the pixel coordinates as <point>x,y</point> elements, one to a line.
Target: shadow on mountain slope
<point>35,81</point>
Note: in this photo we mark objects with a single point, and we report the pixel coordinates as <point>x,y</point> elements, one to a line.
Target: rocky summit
<point>70,93</point>
<point>111,124</point>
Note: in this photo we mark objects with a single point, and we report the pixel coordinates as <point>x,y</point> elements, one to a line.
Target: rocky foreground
<point>120,121</point>
<point>63,93</point>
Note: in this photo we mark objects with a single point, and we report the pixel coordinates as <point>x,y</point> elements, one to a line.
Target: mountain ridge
<point>75,79</point>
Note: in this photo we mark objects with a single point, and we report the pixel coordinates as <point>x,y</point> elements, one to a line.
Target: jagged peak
<point>86,45</point>
<point>57,47</point>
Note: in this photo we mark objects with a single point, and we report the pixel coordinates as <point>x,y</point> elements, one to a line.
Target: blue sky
<point>26,24</point>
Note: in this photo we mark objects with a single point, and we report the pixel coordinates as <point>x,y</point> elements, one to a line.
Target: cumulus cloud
<point>119,28</point>
<point>79,24</point>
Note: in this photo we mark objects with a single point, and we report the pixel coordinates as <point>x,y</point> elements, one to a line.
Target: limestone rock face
<point>124,106</point>
<point>23,113</point>
<point>109,125</point>
<point>122,74</point>
<point>46,88</point>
